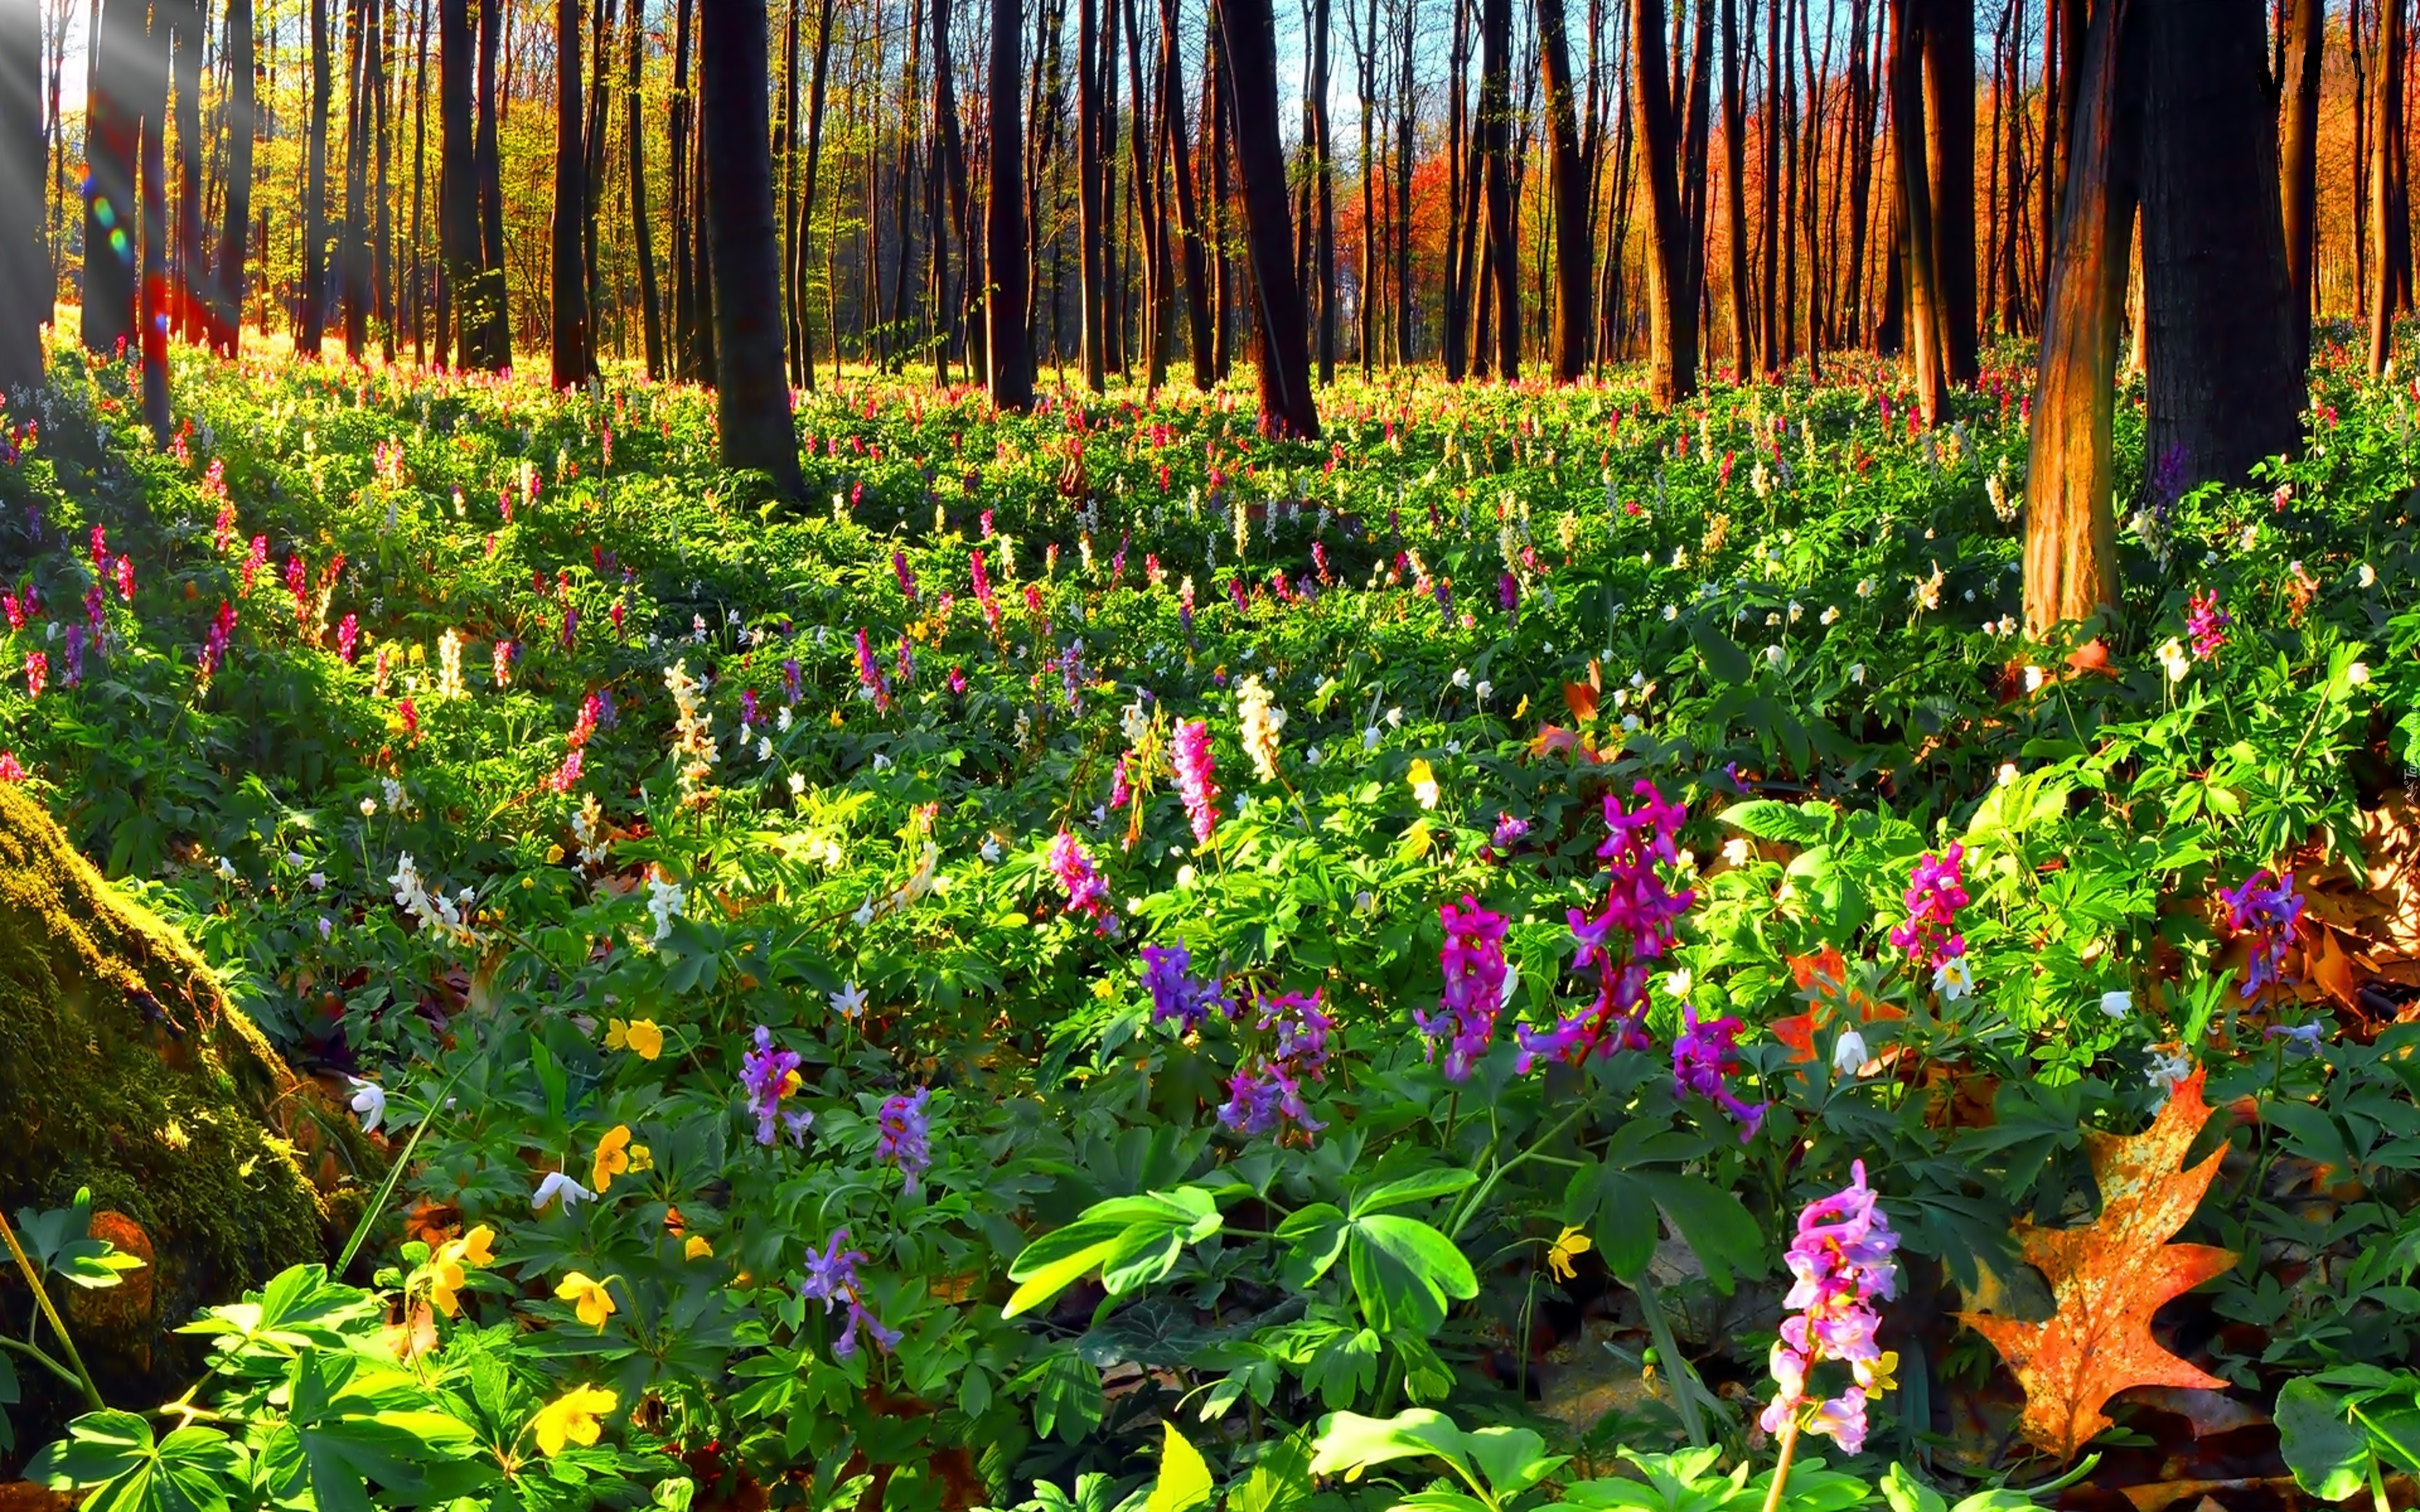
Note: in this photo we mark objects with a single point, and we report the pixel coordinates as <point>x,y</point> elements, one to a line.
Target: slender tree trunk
<point>1010,359</point>
<point>572,360</point>
<point>2070,560</point>
<point>805,366</point>
<point>1193,257</point>
<point>1323,182</point>
<point>1918,242</point>
<point>1501,273</point>
<point>751,387</point>
<point>2300,162</point>
<point>189,274</point>
<point>1566,182</point>
<point>1768,338</point>
<point>682,347</point>
<point>26,285</point>
<point>113,137</point>
<point>460,340</point>
<point>1673,298</point>
<point>1405,301</point>
<point>1948,33</point>
<point>352,231</point>
<point>154,312</point>
<point>1248,32</point>
<point>651,314</point>
<point>592,165</point>
<point>2391,232</point>
<point>419,274</point>
<point>1089,132</point>
<point>951,148</point>
<point>310,327</point>
<point>491,308</point>
<point>1735,194</point>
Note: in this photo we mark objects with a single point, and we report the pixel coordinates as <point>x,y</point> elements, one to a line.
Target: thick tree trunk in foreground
<point>226,318</point>
<point>1008,359</point>
<point>2071,528</point>
<point>1248,32</point>
<point>2300,162</point>
<point>1671,291</point>
<point>25,262</point>
<point>572,360</point>
<point>2226,383</point>
<point>752,381</point>
<point>1567,184</point>
<point>1919,239</point>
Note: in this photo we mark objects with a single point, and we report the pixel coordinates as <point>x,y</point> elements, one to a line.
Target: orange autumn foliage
<point>1826,977</point>
<point>2109,1276</point>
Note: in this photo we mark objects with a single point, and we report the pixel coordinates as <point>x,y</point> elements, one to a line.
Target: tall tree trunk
<point>651,314</point>
<point>805,366</point>
<point>227,314</point>
<point>1768,332</point>
<point>1248,32</point>
<point>189,274</point>
<point>2070,560</point>
<point>1323,183</point>
<point>382,224</point>
<point>352,231</point>
<point>573,362</point>
<point>1949,150</point>
<point>1501,273</point>
<point>311,326</point>
<point>1144,144</point>
<point>1566,180</point>
<point>458,338</point>
<point>154,311</point>
<point>593,164</point>
<point>751,388</point>
<point>113,137</point>
<point>2390,230</point>
<point>950,146</point>
<point>1008,356</point>
<point>1462,209</point>
<point>2226,385</point>
<point>2300,162</point>
<point>1200,341</point>
<point>1918,242</point>
<point>1735,195</point>
<point>1671,297</point>
<point>491,308</point>
<point>1088,196</point>
<point>26,285</point>
<point>682,347</point>
<point>1405,115</point>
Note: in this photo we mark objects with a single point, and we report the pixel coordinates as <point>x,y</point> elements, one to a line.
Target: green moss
<point>125,1069</point>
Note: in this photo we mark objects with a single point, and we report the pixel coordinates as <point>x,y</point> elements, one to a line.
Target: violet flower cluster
<point>2267,907</point>
<point>1705,1055</point>
<point>1192,758</point>
<point>1174,992</point>
<point>2206,624</point>
<point>1475,983</point>
<point>1841,1260</point>
<point>1266,1094</point>
<point>906,1140</point>
<point>869,673</point>
<point>1635,926</point>
<point>831,1279</point>
<point>770,1074</point>
<point>1087,892</point>
<point>1936,890</point>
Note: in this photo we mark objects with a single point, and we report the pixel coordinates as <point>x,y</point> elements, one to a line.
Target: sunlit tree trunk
<point>1193,257</point>
<point>226,317</point>
<point>1006,349</point>
<point>752,381</point>
<point>24,260</point>
<point>1566,179</point>
<point>1671,297</point>
<point>493,306</point>
<point>2070,558</point>
<point>153,314</point>
<point>651,314</point>
<point>2390,230</point>
<point>1735,194</point>
<point>571,360</point>
<point>1092,263</point>
<point>950,146</point>
<point>1918,241</point>
<point>457,201</point>
<point>188,272</point>
<point>311,325</point>
<point>1248,33</point>
<point>1500,270</point>
<point>2299,160</point>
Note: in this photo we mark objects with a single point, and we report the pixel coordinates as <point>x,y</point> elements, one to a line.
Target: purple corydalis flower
<point>907,1135</point>
<point>1705,1055</point>
<point>770,1074</point>
<point>792,679</point>
<point>1841,1261</point>
<point>869,674</point>
<point>1476,979</point>
<point>1266,1093</point>
<point>2267,908</point>
<point>1087,893</point>
<point>1191,755</point>
<point>1936,890</point>
<point>1509,832</point>
<point>906,574</point>
<point>2207,624</point>
<point>831,1276</point>
<point>1174,993</point>
<point>1639,912</point>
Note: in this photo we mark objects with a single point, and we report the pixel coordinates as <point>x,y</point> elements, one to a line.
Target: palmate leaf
<point>353,1423</point>
<point>1132,1240</point>
<point>112,1458</point>
<point>1185,1481</point>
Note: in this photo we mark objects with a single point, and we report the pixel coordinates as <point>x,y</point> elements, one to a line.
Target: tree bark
<point>2225,380</point>
<point>25,286</point>
<point>311,326</point>
<point>1007,354</point>
<point>950,146</point>
<point>1735,194</point>
<point>573,362</point>
<point>1948,32</point>
<point>2390,227</point>
<point>113,134</point>
<point>651,314</point>
<point>2300,163</point>
<point>1918,241</point>
<point>227,314</point>
<point>1248,31</point>
<point>188,273</point>
<point>1501,269</point>
<point>1567,183</point>
<point>1089,132</point>
<point>2070,558</point>
<point>489,307</point>
<point>154,310</point>
<point>459,337</point>
<point>751,388</point>
<point>1671,298</point>
<point>805,366</point>
<point>1193,257</point>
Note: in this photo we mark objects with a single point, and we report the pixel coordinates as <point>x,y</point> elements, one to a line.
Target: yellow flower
<point>476,1245</point>
<point>572,1418</point>
<point>697,1249</point>
<point>1568,1244</point>
<point>554,855</point>
<point>1880,1375</point>
<point>1424,783</point>
<point>446,1279</point>
<point>641,1037</point>
<point>613,1157</point>
<point>589,1299</point>
<point>641,1159</point>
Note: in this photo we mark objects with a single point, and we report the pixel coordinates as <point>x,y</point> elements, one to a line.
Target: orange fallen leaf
<point>2109,1277</point>
<point>1825,976</point>
<point>1581,700</point>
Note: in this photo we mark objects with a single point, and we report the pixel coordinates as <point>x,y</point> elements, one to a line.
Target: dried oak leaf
<point>2109,1276</point>
<point>1822,982</point>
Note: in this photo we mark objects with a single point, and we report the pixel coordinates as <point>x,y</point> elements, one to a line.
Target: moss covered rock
<point>124,1069</point>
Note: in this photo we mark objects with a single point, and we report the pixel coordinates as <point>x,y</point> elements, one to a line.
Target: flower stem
<point>42,1300</point>
<point>1781,1465</point>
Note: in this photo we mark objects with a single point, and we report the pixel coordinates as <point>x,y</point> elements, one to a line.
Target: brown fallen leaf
<point>2109,1276</point>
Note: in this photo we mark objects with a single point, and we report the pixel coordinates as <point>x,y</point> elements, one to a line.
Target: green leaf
<point>1404,1272</point>
<point>1315,1237</point>
<point>1513,1459</point>
<point>1804,824</point>
<point>1905,1493</point>
<point>1279,1481</point>
<point>1423,1186</point>
<point>113,1456</point>
<point>1067,1400</point>
<point>1725,661</point>
<point>353,1423</point>
<point>2328,1455</point>
<point>1185,1480</point>
<point>1350,1444</point>
<point>1135,1240</point>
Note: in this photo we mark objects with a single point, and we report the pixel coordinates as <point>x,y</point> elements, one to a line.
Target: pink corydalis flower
<point>2206,624</point>
<point>1841,1263</point>
<point>1936,890</point>
<point>1195,780</point>
<point>37,673</point>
